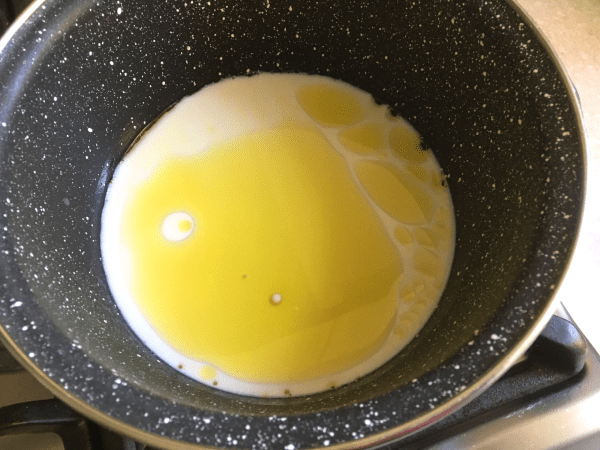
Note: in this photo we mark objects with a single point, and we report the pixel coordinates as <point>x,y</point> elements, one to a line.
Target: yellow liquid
<point>276,212</point>
<point>330,106</point>
<point>277,235</point>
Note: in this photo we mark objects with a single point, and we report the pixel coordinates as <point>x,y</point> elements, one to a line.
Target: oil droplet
<point>427,264</point>
<point>403,235</point>
<point>207,373</point>
<point>275,299</point>
<point>401,199</point>
<point>330,106</point>
<point>425,237</point>
<point>406,144</point>
<point>366,139</point>
<point>417,172</point>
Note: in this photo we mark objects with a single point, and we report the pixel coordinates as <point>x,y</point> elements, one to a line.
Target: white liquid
<point>234,108</point>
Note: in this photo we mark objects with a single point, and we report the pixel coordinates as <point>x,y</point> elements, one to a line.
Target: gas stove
<point>550,399</point>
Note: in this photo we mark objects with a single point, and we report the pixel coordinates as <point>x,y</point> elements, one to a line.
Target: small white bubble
<point>276,298</point>
<point>178,226</point>
<point>90,129</point>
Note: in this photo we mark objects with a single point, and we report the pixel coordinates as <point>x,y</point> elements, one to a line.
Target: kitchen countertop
<point>573,28</point>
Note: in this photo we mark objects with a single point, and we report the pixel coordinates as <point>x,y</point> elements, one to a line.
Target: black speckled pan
<point>80,79</point>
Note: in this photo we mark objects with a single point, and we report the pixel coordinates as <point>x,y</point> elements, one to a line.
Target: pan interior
<point>472,78</point>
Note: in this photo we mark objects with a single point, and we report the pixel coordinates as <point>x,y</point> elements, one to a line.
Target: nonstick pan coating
<point>79,80</point>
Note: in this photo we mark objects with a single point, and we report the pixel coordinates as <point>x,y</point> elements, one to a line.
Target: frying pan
<point>79,80</point>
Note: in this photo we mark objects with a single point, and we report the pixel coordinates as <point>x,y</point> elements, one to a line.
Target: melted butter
<point>365,139</point>
<point>184,225</point>
<point>427,263</point>
<point>406,144</point>
<point>418,173</point>
<point>403,235</point>
<point>330,106</point>
<point>340,277</point>
<point>207,373</point>
<point>437,181</point>
<point>426,237</point>
<point>393,192</point>
<point>277,235</point>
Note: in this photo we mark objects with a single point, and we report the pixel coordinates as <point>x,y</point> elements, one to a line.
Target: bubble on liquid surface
<point>177,226</point>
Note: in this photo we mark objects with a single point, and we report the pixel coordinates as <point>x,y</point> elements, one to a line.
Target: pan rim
<point>407,428</point>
